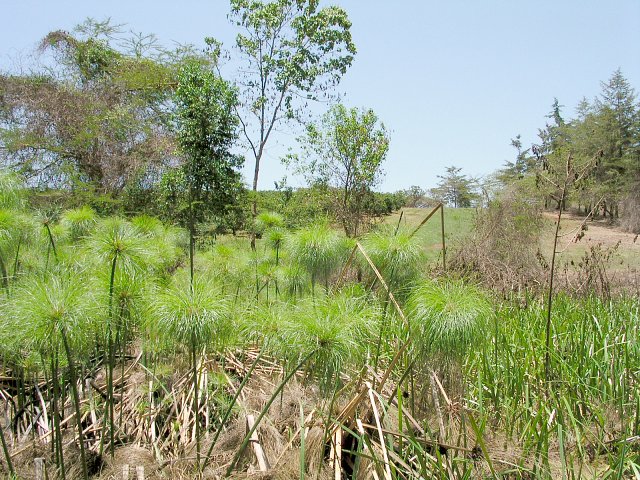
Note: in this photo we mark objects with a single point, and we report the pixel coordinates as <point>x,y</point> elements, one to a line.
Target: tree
<point>345,151</point>
<point>616,126</point>
<point>416,196</point>
<point>97,115</point>
<point>455,189</point>
<point>523,164</point>
<point>206,125</point>
<point>293,52</point>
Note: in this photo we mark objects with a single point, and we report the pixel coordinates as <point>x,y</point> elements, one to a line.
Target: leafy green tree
<point>617,130</point>
<point>209,179</point>
<point>455,189</point>
<point>345,152</point>
<point>523,164</point>
<point>607,129</point>
<point>292,52</point>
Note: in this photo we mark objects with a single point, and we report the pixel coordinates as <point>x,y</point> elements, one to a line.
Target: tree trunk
<point>254,205</point>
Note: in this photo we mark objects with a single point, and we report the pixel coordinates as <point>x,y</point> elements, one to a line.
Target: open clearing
<point>459,222</point>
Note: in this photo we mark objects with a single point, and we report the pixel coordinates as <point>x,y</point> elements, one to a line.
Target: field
<point>623,266</point>
<point>312,357</point>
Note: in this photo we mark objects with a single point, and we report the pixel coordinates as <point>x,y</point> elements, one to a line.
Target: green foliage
<point>46,309</point>
<point>345,152</point>
<point>79,222</point>
<point>293,280</point>
<point>18,229</point>
<point>447,318</point>
<point>318,249</point>
<point>605,135</point>
<point>337,327</point>
<point>206,127</point>
<point>455,189</point>
<point>117,240</point>
<point>94,118</point>
<point>299,207</point>
<point>196,317</point>
<point>596,351</point>
<point>396,253</point>
<point>12,191</point>
<point>207,185</point>
<point>166,244</point>
<point>268,221</point>
<point>307,43</point>
<point>497,358</point>
<point>292,51</point>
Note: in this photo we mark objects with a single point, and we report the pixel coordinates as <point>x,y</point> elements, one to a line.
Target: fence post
<point>39,465</point>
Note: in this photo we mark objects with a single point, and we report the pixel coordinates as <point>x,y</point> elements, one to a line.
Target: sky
<point>453,80</point>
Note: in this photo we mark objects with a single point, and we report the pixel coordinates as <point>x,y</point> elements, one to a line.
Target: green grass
<point>458,223</point>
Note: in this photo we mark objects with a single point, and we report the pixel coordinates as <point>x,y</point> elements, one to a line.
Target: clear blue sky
<point>454,81</point>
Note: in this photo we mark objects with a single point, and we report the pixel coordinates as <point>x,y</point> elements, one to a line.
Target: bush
<point>503,248</point>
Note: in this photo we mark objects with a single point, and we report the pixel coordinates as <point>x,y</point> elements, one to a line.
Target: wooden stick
<point>45,417</point>
<point>345,268</point>
<point>261,457</point>
<point>337,463</point>
<point>382,282</point>
<point>39,466</point>
<point>376,415</point>
<point>444,247</point>
<point>350,408</point>
<point>431,213</point>
<point>436,404</point>
<point>365,449</point>
<point>444,394</point>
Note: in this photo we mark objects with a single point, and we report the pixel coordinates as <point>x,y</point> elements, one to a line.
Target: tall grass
<point>115,246</point>
<point>318,249</point>
<point>447,317</point>
<point>592,402</point>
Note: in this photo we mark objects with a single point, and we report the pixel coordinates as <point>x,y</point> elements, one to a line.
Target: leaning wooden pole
<point>439,206</point>
<point>426,219</point>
